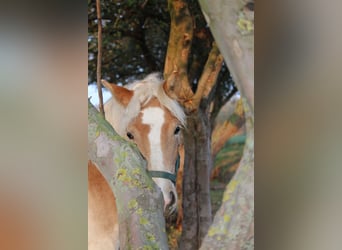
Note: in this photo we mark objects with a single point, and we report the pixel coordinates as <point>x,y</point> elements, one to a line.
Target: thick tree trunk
<point>196,181</point>
<point>232,25</point>
<point>139,201</point>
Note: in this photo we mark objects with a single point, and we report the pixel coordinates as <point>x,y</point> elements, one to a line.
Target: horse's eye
<point>177,130</point>
<point>130,136</point>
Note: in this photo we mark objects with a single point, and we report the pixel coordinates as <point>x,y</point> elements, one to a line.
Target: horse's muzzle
<point>171,208</point>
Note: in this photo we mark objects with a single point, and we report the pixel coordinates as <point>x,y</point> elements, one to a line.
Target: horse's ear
<point>120,94</point>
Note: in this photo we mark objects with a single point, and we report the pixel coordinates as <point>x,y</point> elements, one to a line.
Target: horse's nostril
<point>170,210</point>
<point>173,198</point>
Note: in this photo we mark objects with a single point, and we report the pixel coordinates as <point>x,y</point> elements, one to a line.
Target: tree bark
<point>179,45</point>
<point>233,225</point>
<point>139,201</point>
<point>197,140</point>
<point>232,25</point>
<point>196,183</point>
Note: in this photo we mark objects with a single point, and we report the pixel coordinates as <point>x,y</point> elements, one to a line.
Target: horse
<point>143,113</point>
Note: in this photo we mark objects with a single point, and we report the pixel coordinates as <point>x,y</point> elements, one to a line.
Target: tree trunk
<point>232,25</point>
<point>197,139</point>
<point>139,201</point>
<point>196,180</point>
<point>233,226</point>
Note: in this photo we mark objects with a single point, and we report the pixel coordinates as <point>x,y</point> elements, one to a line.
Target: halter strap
<point>167,175</point>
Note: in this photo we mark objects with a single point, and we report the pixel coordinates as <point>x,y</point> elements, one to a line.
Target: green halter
<point>167,175</point>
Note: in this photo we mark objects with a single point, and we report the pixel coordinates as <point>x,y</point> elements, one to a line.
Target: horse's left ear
<point>120,94</point>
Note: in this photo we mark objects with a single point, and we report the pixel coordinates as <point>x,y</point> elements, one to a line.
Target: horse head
<point>143,113</point>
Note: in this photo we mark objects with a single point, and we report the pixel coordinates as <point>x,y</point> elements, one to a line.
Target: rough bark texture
<point>233,225</point>
<point>139,201</point>
<point>179,45</point>
<point>196,185</point>
<point>232,25</point>
<point>198,161</point>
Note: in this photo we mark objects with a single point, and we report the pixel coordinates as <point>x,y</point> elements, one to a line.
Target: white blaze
<point>154,117</point>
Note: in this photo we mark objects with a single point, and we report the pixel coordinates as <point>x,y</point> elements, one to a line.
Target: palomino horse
<point>143,113</point>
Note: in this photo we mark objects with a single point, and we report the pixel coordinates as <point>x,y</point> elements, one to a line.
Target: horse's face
<point>157,134</point>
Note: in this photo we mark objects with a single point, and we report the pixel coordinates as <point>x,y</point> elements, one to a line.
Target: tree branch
<point>176,62</point>
<point>139,201</point>
<point>99,56</point>
<point>208,78</point>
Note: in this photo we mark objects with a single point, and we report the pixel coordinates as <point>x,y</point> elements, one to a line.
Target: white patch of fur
<point>144,90</point>
<point>154,117</point>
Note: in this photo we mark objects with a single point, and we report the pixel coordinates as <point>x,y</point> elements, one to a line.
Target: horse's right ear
<point>120,94</point>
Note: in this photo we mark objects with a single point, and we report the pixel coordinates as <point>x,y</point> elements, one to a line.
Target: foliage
<point>228,157</point>
<point>135,38</point>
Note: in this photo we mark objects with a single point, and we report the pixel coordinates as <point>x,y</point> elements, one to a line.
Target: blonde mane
<point>144,90</point>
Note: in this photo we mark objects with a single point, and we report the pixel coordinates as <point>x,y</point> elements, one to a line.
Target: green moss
<point>245,24</point>
<point>123,176</point>
<point>119,160</point>
<point>136,183</point>
<point>149,247</point>
<point>139,211</point>
<point>226,218</point>
<point>136,171</point>
<point>217,231</point>
<point>132,204</point>
<point>121,173</point>
<point>150,237</point>
<point>231,187</point>
<point>143,221</point>
<point>213,230</point>
<point>123,154</point>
